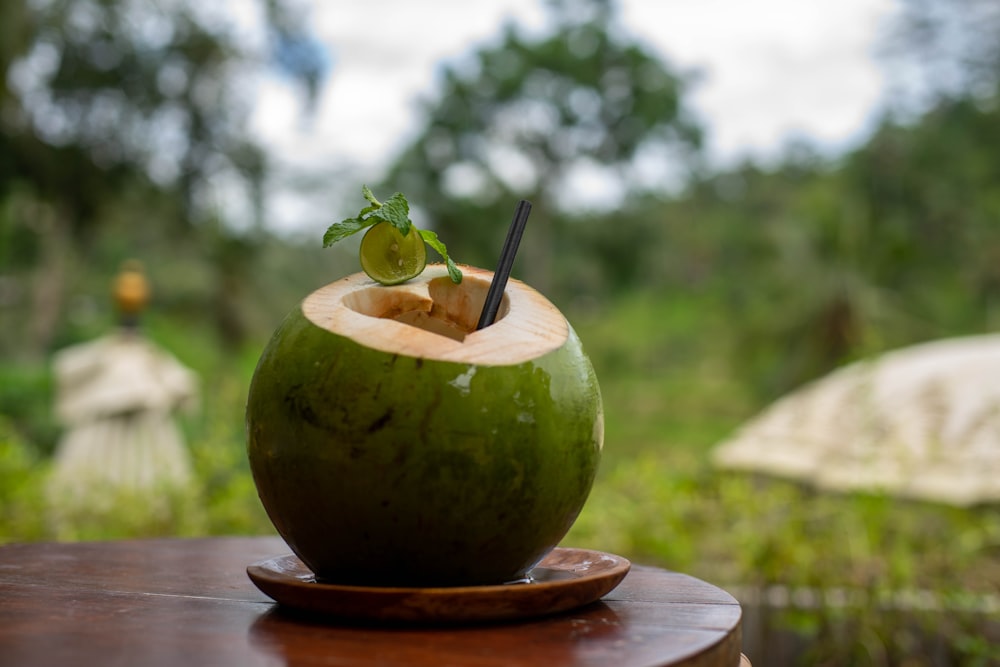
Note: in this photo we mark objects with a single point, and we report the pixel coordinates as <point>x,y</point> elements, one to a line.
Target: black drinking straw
<point>500,276</point>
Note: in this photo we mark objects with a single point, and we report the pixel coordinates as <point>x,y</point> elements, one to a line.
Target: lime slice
<point>390,258</point>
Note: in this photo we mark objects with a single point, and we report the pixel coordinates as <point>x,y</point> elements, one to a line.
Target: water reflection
<point>298,639</point>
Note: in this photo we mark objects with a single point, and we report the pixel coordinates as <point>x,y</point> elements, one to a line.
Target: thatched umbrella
<point>921,422</point>
<point>117,396</point>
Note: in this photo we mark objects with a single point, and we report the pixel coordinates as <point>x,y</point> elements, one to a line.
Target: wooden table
<point>190,603</point>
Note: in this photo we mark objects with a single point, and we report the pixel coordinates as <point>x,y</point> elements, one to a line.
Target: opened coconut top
<point>432,318</point>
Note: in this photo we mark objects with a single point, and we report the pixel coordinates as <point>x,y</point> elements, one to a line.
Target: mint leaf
<point>344,228</point>
<point>431,239</point>
<point>367,193</point>
<point>341,230</point>
<point>369,209</point>
<point>396,211</point>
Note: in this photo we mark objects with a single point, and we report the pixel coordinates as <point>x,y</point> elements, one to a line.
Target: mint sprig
<point>396,211</point>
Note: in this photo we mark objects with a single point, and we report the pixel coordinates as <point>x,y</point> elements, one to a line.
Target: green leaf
<point>341,230</point>
<point>453,272</point>
<point>431,239</point>
<point>367,193</point>
<point>369,209</point>
<point>344,228</point>
<point>396,211</point>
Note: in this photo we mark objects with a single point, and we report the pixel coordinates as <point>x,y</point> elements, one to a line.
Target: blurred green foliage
<point>518,118</point>
<point>698,302</point>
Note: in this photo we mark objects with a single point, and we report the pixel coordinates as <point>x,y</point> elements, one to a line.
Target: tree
<point>825,261</point>
<point>106,101</point>
<point>518,119</point>
<point>945,48</point>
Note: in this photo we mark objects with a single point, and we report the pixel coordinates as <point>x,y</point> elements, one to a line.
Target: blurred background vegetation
<point>701,297</point>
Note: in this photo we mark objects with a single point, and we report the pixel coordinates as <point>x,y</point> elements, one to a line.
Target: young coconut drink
<point>394,444</point>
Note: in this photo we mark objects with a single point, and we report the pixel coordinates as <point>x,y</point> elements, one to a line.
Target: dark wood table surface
<point>189,602</point>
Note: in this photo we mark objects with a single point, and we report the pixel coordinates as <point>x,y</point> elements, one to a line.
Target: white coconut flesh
<point>433,318</point>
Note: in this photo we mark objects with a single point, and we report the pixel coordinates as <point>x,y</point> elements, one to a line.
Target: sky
<point>769,71</point>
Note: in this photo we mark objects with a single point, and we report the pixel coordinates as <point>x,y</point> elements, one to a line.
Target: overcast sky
<point>772,70</point>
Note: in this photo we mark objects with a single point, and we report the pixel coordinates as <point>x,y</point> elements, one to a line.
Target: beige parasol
<point>922,422</point>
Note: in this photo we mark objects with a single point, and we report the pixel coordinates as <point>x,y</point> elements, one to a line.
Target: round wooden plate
<point>565,579</point>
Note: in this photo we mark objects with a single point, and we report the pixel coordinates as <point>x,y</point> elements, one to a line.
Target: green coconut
<point>392,444</point>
